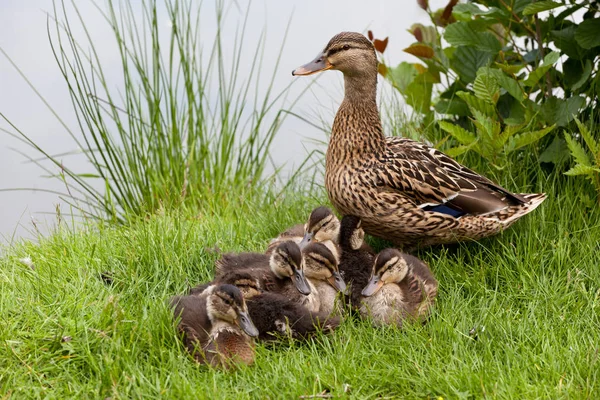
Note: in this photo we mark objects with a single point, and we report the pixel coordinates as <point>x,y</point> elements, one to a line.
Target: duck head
<point>389,267</point>
<point>286,262</point>
<point>322,225</point>
<point>248,284</point>
<point>321,263</point>
<point>349,52</point>
<point>226,303</point>
<point>351,233</point>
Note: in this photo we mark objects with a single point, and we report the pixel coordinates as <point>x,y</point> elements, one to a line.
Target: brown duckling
<point>216,327</point>
<point>322,225</point>
<point>281,271</point>
<point>356,260</point>
<point>321,269</point>
<point>401,287</point>
<point>272,313</point>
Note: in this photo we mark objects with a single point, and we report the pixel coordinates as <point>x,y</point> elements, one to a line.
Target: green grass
<point>531,294</point>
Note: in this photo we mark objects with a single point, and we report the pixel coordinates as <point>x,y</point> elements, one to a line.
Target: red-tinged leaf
<point>380,45</point>
<point>420,68</point>
<point>382,69</point>
<point>420,50</point>
<point>448,10</point>
<point>418,33</point>
<point>370,35</point>
<point>423,4</point>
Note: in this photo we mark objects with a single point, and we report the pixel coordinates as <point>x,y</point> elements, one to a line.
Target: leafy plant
<point>587,162</point>
<point>500,64</point>
<point>176,123</point>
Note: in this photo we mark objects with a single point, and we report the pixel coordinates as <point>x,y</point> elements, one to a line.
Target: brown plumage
<point>216,327</point>
<point>403,190</point>
<point>321,269</point>
<point>400,287</point>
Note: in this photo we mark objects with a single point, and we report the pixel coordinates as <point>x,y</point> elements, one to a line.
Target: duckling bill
<point>216,327</point>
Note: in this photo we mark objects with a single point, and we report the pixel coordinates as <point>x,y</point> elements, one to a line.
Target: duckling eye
<point>346,47</point>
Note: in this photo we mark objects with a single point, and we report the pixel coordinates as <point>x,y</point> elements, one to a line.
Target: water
<point>24,37</point>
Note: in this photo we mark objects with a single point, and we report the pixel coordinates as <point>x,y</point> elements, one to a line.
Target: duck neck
<point>357,127</point>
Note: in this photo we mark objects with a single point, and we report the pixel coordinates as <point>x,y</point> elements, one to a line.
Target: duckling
<point>401,287</point>
<point>356,261</point>
<point>273,314</point>
<point>403,190</point>
<point>281,271</point>
<point>322,225</point>
<point>216,327</point>
<point>321,269</point>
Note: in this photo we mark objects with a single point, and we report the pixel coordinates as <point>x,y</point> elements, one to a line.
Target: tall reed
<point>178,122</point>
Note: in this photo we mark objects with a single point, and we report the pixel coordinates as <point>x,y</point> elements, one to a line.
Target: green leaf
<point>561,111</point>
<point>527,138</point>
<point>402,75</point>
<point>488,129</point>
<point>486,88</point>
<point>418,93</point>
<point>564,39</point>
<point>582,170</point>
<point>557,153</point>
<point>587,71</point>
<point>454,106</point>
<point>540,6</point>
<point>476,104</point>
<point>588,138</point>
<point>588,33</point>
<point>467,60</point>
<point>506,82</point>
<point>462,34</point>
<point>535,75</point>
<point>462,135</point>
<point>577,151</point>
<point>457,151</point>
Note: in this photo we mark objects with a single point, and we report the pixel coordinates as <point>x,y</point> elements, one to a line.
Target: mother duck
<point>403,190</point>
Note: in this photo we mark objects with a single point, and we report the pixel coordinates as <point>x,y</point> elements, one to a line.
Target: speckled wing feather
<point>428,177</point>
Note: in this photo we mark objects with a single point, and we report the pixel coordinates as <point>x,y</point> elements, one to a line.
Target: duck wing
<point>435,182</point>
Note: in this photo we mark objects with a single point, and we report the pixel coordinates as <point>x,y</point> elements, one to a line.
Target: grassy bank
<point>517,315</point>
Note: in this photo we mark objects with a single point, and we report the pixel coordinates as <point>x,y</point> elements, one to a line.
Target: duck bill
<point>317,65</point>
<point>337,282</point>
<point>373,286</point>
<point>308,237</point>
<point>247,325</point>
<point>300,282</point>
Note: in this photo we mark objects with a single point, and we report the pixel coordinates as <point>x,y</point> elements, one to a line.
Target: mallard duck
<point>356,261</point>
<point>321,269</point>
<point>403,190</point>
<point>322,225</point>
<point>216,327</point>
<point>281,272</point>
<point>273,314</point>
<point>401,286</point>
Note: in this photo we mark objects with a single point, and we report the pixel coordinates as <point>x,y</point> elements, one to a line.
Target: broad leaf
<point>467,60</point>
<point>457,151</point>
<point>486,88</point>
<point>462,135</point>
<point>564,39</point>
<point>418,93</point>
<point>540,6</point>
<point>420,50</point>
<point>557,153</point>
<point>424,34</point>
<point>402,75</point>
<point>454,106</point>
<point>561,111</point>
<point>462,34</point>
<point>588,33</point>
<point>535,75</point>
<point>577,151</point>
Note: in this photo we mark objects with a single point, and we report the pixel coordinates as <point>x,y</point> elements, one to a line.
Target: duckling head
<point>321,263</point>
<point>351,233</point>
<point>322,225</point>
<point>389,267</point>
<point>286,262</point>
<point>349,52</point>
<point>248,284</point>
<point>226,303</point>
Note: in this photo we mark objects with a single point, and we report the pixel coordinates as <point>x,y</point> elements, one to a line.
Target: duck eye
<point>346,47</point>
